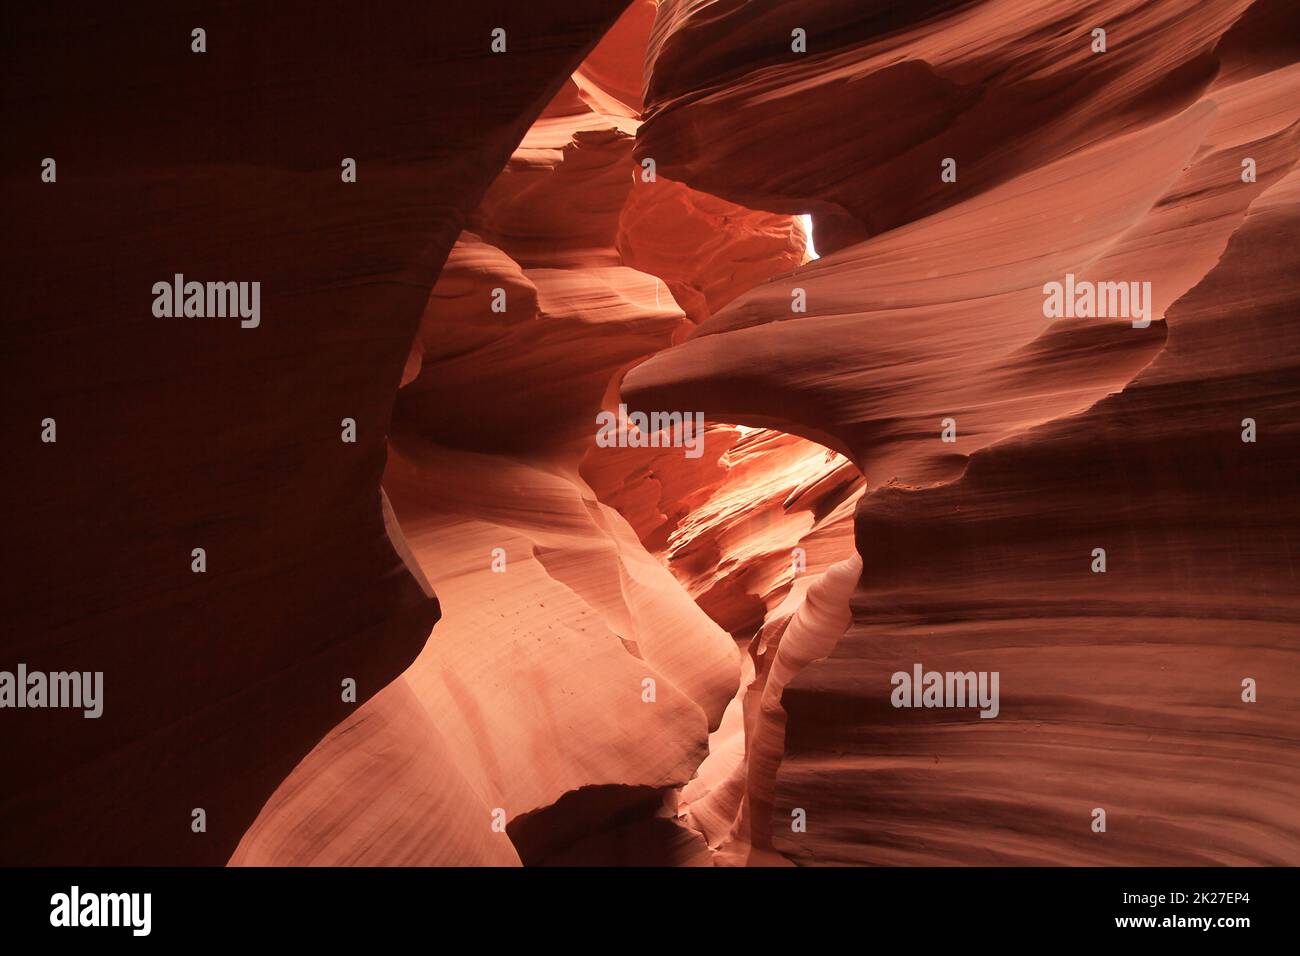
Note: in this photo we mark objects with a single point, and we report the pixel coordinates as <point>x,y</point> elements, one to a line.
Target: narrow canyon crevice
<point>569,575</point>
<point>367,584</point>
<point>649,657</point>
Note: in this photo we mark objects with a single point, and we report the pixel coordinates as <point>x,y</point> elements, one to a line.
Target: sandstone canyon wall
<point>177,434</point>
<point>569,653</point>
<point>1122,690</point>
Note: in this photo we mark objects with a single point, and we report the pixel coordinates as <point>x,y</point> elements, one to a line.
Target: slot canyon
<point>825,227</point>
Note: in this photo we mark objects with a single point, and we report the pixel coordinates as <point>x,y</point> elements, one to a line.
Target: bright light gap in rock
<point>808,231</point>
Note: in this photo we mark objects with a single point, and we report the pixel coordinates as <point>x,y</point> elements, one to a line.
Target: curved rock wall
<point>1120,691</point>
<point>180,433</point>
<point>636,655</point>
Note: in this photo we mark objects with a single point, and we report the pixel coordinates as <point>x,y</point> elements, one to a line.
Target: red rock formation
<point>183,433</point>
<point>855,129</point>
<point>1121,690</point>
<point>645,657</point>
<point>555,614</point>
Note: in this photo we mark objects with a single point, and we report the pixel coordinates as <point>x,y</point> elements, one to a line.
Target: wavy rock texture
<point>1120,690</point>
<point>554,612</point>
<point>1123,690</point>
<point>646,658</point>
<point>1002,87</point>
